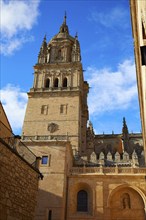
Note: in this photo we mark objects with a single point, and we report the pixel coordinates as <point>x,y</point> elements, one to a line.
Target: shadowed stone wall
<point>18,186</point>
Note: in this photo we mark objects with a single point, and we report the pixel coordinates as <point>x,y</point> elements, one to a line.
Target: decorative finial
<point>64,18</point>
<point>45,37</point>
<point>76,36</point>
<point>125,128</point>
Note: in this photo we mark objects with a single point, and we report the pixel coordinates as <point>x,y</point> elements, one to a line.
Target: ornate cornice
<point>53,92</point>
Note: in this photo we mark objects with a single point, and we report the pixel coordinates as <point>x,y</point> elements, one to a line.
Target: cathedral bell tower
<point>57,102</point>
<point>56,118</point>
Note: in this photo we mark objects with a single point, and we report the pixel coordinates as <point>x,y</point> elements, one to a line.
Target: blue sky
<point>105,35</point>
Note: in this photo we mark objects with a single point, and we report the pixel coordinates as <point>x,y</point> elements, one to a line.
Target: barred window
<point>82,201</point>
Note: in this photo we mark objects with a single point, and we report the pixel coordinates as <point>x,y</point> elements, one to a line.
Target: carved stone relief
<point>126,204</point>
<point>52,127</point>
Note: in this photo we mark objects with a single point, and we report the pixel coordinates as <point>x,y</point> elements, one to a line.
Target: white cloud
<point>17,19</point>
<point>14,102</point>
<point>112,90</point>
<point>8,47</point>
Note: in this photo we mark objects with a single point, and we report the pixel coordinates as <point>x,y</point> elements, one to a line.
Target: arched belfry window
<point>65,82</point>
<point>59,54</point>
<point>56,82</point>
<point>47,83</point>
<point>82,201</point>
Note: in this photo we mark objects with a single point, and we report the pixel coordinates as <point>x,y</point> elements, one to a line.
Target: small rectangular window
<point>143,31</point>
<point>143,55</point>
<point>63,109</point>
<point>44,159</point>
<point>44,109</point>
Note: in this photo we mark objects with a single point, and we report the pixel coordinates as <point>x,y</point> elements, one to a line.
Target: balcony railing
<point>107,170</point>
<point>45,138</point>
<point>13,141</point>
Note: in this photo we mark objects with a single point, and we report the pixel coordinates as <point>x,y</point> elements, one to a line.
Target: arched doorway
<point>126,203</point>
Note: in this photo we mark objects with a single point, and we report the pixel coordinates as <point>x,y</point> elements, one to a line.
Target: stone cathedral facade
<point>86,176</point>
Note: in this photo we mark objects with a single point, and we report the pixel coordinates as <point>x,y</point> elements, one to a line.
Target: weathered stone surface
<point>18,187</point>
<point>55,127</point>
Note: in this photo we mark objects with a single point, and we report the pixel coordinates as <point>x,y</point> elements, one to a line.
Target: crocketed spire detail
<point>125,128</point>
<point>42,57</point>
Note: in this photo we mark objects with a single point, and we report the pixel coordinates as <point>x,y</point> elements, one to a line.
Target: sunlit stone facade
<point>138,17</point>
<point>86,176</point>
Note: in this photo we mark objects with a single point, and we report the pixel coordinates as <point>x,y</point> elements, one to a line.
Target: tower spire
<point>64,27</point>
<point>125,131</point>
<point>125,128</point>
<point>43,51</point>
<point>65,18</point>
<point>45,38</point>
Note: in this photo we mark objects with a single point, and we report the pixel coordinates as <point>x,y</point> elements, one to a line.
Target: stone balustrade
<point>13,141</point>
<point>45,138</point>
<point>107,170</point>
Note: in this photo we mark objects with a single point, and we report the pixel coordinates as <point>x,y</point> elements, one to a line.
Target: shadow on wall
<point>49,206</point>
